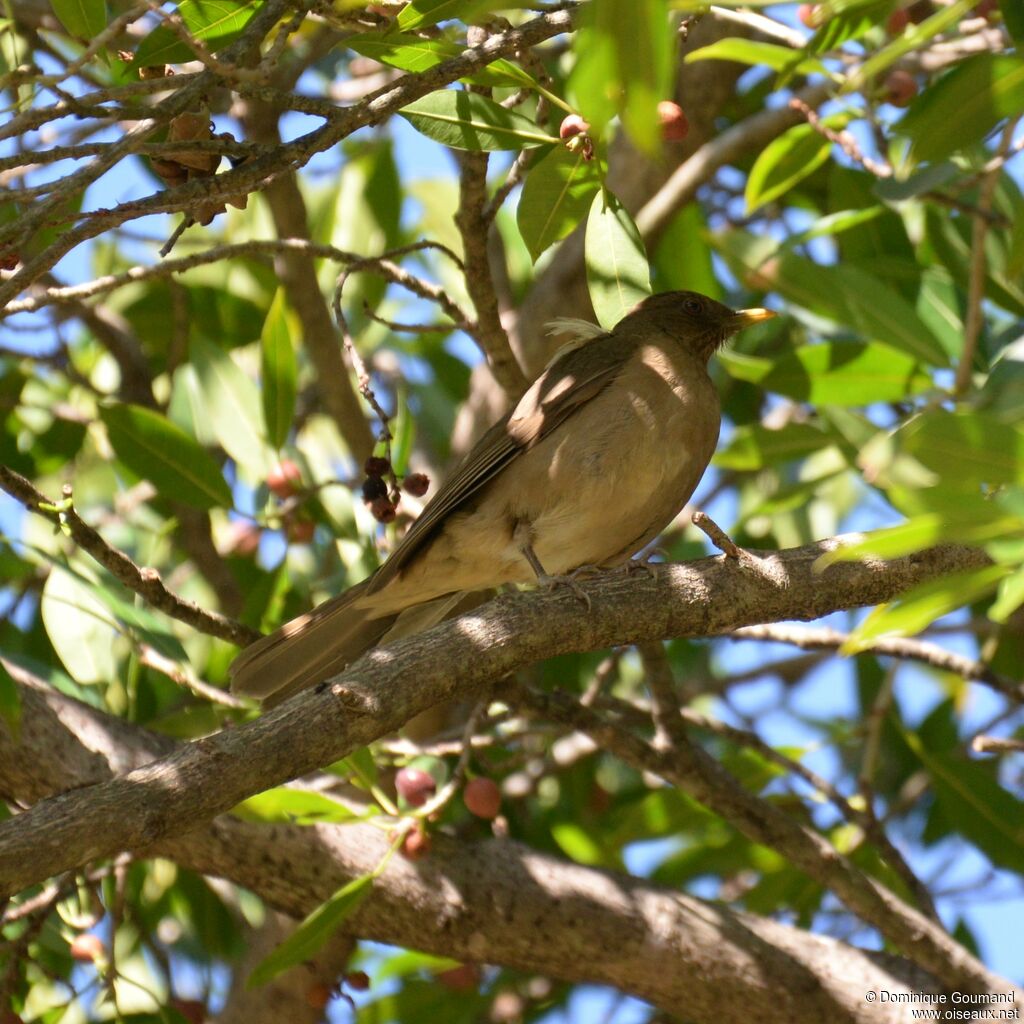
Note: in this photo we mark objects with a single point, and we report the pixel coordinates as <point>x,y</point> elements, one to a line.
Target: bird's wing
<point>569,382</point>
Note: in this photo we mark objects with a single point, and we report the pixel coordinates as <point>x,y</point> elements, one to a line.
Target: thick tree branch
<point>387,687</point>
<point>487,901</point>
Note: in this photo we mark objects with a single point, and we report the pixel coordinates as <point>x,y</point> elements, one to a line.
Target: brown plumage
<point>595,460</point>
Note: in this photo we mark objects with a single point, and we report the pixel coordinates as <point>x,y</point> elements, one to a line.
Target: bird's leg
<point>550,582</point>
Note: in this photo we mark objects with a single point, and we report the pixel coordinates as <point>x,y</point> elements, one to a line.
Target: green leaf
<point>912,39</point>
<point>10,702</point>
<point>577,844</point>
<point>794,155</point>
<point>412,53</point>
<point>754,447</point>
<point>217,23</point>
<point>973,801</point>
<point>757,54</point>
<point>278,370</point>
<point>954,524</point>
<point>155,449</point>
<point>82,18</point>
<point>964,105</point>
<point>920,606</point>
<point>557,195</point>
<point>835,373</point>
<point>80,627</point>
<point>420,13</point>
<point>642,43</point>
<point>1013,18</point>
<point>846,294</point>
<point>466,120</point>
<point>298,806</point>
<point>1009,597</point>
<point>975,446</point>
<point>314,931</point>
<point>232,406</point>
<point>618,274</point>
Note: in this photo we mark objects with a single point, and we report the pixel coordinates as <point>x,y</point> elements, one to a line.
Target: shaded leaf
<point>794,155</point>
<point>557,195</point>
<point>156,450</point>
<point>278,370</point>
<point>82,18</point>
<point>314,931</point>
<point>837,373</point>
<point>965,105</point>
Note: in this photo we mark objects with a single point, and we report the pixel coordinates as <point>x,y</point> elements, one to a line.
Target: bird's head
<point>694,320</point>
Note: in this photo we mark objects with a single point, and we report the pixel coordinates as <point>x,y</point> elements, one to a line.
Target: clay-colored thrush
<point>595,460</point>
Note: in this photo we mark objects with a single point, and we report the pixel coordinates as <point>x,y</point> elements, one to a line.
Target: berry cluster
<point>383,499</point>
<point>574,130</point>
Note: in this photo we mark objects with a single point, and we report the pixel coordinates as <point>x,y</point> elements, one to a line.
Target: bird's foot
<point>570,580</point>
<point>643,563</point>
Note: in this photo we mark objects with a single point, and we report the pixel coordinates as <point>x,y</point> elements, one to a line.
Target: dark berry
<point>373,488</point>
<point>375,465</point>
<point>416,484</point>
<point>900,88</point>
<point>383,511</point>
<point>358,981</point>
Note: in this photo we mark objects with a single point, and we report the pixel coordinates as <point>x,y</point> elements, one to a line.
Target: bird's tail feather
<point>308,649</point>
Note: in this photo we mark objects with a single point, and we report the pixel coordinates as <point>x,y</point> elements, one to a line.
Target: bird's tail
<point>308,649</point>
<point>319,644</point>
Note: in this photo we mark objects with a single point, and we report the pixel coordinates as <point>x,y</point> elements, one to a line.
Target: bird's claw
<point>569,580</point>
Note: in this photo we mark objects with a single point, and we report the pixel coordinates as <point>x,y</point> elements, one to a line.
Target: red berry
<point>897,22</point>
<point>674,126</point>
<point>376,466</point>
<point>415,786</point>
<point>87,948</point>
<point>9,260</point>
<point>358,981</point>
<point>192,1010</point>
<point>300,531</point>
<point>482,797</point>
<point>318,995</point>
<point>416,484</point>
<point>807,14</point>
<point>985,8</point>
<point>243,539</point>
<point>373,488</point>
<point>382,509</point>
<point>900,88</point>
<point>572,124</point>
<point>415,845</point>
<point>285,479</point>
<point>464,978</point>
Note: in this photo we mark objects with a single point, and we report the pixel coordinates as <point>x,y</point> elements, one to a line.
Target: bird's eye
<point>693,306</point>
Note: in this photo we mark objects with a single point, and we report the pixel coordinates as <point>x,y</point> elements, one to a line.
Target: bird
<point>597,457</point>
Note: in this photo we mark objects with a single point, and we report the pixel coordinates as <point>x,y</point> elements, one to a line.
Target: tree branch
<point>390,685</point>
<point>486,901</point>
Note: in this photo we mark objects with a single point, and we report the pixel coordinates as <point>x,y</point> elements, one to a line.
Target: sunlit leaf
<point>618,274</point>
<point>754,447</point>
<point>757,54</point>
<point>466,120</point>
<point>298,806</point>
<point>82,18</point>
<point>80,627</point>
<point>216,23</point>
